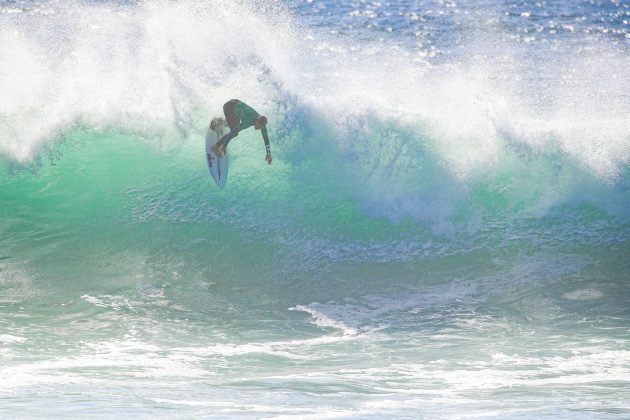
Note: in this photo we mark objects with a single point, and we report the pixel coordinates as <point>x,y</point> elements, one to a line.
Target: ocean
<point>444,232</point>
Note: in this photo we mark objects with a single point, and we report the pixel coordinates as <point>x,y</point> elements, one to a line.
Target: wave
<point>370,126</point>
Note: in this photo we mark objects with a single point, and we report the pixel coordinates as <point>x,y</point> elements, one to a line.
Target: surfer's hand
<point>268,159</point>
<point>217,151</point>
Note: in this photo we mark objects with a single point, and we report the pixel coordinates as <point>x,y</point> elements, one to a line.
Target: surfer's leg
<point>233,121</point>
<point>223,142</point>
<point>231,117</point>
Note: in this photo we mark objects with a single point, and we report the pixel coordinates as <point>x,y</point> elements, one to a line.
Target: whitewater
<point>444,231</point>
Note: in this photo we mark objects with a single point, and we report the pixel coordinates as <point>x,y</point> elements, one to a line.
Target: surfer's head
<point>261,121</point>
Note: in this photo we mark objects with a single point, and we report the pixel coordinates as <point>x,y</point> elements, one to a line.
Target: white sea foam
<point>372,313</point>
<point>317,311</point>
<point>147,67</point>
<point>11,339</point>
<point>139,360</point>
<point>140,68</point>
<point>298,349</point>
<point>108,301</point>
<point>583,294</point>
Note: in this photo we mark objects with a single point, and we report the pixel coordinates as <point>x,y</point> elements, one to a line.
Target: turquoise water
<point>444,231</point>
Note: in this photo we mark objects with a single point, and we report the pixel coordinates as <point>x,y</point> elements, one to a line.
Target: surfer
<point>240,116</point>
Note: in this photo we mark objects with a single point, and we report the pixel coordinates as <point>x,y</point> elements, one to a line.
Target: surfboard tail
<point>218,167</point>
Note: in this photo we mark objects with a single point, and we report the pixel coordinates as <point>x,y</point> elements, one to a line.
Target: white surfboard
<point>218,166</point>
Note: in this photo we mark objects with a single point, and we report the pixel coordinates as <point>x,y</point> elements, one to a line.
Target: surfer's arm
<point>267,145</point>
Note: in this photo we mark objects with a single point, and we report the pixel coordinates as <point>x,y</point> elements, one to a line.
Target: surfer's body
<point>240,116</point>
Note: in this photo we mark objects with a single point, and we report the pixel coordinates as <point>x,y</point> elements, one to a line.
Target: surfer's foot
<point>217,150</point>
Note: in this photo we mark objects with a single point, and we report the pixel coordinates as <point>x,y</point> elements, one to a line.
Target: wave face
<point>445,228</point>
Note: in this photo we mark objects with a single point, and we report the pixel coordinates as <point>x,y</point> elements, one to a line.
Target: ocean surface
<point>444,232</point>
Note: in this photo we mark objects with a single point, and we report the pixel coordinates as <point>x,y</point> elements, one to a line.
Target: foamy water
<point>444,231</point>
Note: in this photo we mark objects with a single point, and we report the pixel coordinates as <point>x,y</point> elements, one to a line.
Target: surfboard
<point>218,167</point>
